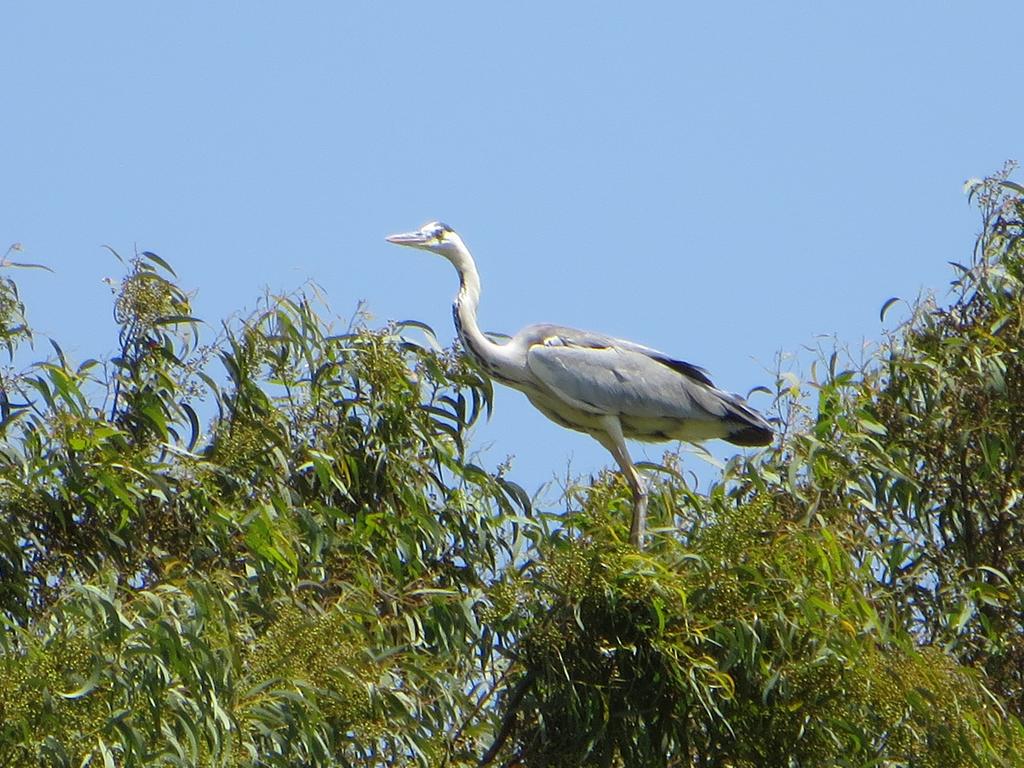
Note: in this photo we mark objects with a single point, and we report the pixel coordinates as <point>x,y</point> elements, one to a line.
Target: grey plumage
<point>609,388</point>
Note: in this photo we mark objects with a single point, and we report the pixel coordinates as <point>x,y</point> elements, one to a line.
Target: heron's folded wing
<point>621,381</point>
<point>563,335</point>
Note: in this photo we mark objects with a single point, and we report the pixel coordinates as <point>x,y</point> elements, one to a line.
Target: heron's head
<point>434,236</point>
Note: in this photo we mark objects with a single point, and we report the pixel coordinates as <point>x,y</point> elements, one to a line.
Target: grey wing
<point>655,396</point>
<point>546,333</point>
<point>624,380</point>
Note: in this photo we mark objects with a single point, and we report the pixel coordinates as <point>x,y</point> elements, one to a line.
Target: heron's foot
<point>639,526</point>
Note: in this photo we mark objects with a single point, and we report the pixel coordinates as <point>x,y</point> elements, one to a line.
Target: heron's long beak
<point>408,238</point>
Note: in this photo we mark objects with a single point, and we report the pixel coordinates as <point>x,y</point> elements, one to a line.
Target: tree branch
<point>515,699</point>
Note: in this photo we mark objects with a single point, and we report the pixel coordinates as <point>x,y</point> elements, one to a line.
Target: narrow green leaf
<point>157,260</point>
<point>885,307</point>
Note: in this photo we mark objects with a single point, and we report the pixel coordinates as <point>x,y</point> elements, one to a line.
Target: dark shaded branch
<point>514,700</point>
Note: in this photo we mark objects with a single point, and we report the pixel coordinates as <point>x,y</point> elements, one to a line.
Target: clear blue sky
<point>723,181</point>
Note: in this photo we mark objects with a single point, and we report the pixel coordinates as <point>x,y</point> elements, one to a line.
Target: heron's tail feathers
<point>748,428</point>
<point>751,436</point>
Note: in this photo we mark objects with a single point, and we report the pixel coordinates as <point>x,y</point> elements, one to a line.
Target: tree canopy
<point>274,548</point>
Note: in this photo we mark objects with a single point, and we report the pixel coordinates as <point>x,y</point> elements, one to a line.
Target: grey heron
<point>609,388</point>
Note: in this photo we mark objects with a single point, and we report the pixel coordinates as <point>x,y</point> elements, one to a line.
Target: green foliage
<point>297,586</point>
<point>939,475</point>
<point>761,650</point>
<point>273,549</point>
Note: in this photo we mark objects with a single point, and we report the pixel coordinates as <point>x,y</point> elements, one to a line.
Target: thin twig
<point>476,710</point>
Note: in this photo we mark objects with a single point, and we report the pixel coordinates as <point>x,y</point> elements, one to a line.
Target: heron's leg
<point>615,442</point>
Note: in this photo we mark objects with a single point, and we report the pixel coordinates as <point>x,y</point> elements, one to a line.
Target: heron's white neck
<point>495,358</point>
